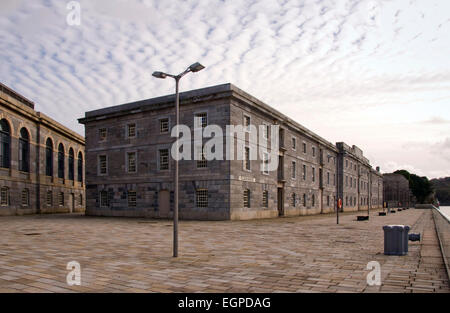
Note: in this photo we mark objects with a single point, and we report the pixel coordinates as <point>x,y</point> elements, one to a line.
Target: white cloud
<point>366,72</point>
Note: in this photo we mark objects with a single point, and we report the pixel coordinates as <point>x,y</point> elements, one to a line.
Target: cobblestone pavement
<point>300,254</point>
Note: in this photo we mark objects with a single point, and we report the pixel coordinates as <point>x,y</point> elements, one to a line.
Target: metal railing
<point>442,224</point>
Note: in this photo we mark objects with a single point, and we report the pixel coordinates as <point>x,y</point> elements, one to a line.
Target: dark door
<point>280,202</point>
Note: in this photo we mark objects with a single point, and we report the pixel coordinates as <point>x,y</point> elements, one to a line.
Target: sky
<point>375,74</point>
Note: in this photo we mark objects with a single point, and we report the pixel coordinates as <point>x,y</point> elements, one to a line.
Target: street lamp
<point>196,67</point>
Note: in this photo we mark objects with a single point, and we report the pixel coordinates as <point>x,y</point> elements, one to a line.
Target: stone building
<point>41,161</point>
<point>129,171</point>
<point>396,191</point>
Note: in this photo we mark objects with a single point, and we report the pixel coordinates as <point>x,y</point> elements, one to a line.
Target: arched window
<point>71,165</point>
<point>24,151</point>
<point>49,157</point>
<point>61,161</point>
<point>5,144</point>
<point>80,167</point>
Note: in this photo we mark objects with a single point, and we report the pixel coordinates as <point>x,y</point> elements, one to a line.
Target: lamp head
<point>159,75</point>
<point>196,67</point>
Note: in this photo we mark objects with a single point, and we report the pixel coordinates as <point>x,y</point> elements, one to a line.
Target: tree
<point>421,187</point>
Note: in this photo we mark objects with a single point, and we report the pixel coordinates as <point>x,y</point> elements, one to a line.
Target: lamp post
<point>196,67</point>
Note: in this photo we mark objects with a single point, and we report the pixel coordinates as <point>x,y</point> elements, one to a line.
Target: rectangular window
<point>102,134</point>
<point>304,148</point>
<point>102,164</point>
<point>346,181</point>
<point>104,198</point>
<point>334,179</point>
<point>328,178</point>
<point>202,162</point>
<point>163,159</point>
<point>131,156</point>
<point>266,131</point>
<point>49,198</point>
<point>246,198</point>
<point>304,199</point>
<point>313,174</point>
<point>61,198</point>
<point>293,199</point>
<point>294,170</point>
<point>265,199</point>
<point>265,163</point>
<point>131,198</point>
<point>164,125</point>
<point>201,120</point>
<point>247,158</point>
<point>131,130</point>
<point>314,151</point>
<point>328,201</point>
<point>304,172</point>
<point>25,197</point>
<point>4,196</point>
<point>247,122</point>
<point>202,198</point>
<point>346,163</point>
<point>80,200</point>
<point>294,143</point>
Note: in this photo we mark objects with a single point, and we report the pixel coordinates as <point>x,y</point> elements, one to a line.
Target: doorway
<point>71,202</point>
<point>280,202</point>
<point>164,203</point>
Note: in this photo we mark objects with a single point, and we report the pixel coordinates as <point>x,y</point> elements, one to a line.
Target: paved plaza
<point>301,254</point>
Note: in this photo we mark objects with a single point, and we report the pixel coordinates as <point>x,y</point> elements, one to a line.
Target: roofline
<point>224,90</point>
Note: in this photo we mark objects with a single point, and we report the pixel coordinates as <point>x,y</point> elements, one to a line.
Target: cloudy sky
<point>371,73</point>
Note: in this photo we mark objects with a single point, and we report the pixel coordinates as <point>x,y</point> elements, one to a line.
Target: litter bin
<point>396,239</point>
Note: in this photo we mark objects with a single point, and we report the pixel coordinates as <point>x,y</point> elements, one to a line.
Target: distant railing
<point>443,230</point>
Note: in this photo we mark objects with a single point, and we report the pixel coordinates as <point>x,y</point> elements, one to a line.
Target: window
<point>61,198</point>
<point>328,201</point>
<point>313,200</point>
<point>24,151</point>
<point>247,122</point>
<point>354,201</point>
<point>80,200</point>
<point>314,151</point>
<point>346,163</point>
<point>304,172</point>
<point>304,148</point>
<point>246,198</point>
<point>104,198</point>
<point>71,165</point>
<point>294,143</point>
<point>346,181</point>
<point>328,178</point>
<point>266,131</point>
<point>102,134</point>
<point>131,162</point>
<point>80,167</point>
<point>346,200</point>
<point>131,130</point>
<point>164,125</point>
<point>102,164</point>
<point>61,161</point>
<point>265,163</point>
<point>293,199</point>
<point>25,197</point>
<point>202,162</point>
<point>202,198</point>
<point>4,196</point>
<point>49,198</point>
<point>265,199</point>
<point>131,198</point>
<point>49,157</point>
<point>294,170</point>
<point>163,159</point>
<point>5,144</point>
<point>201,120</point>
<point>247,158</point>
<point>334,179</point>
<point>313,174</point>
<point>304,199</point>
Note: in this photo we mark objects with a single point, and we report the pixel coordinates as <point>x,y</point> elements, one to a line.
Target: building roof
<point>197,95</point>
